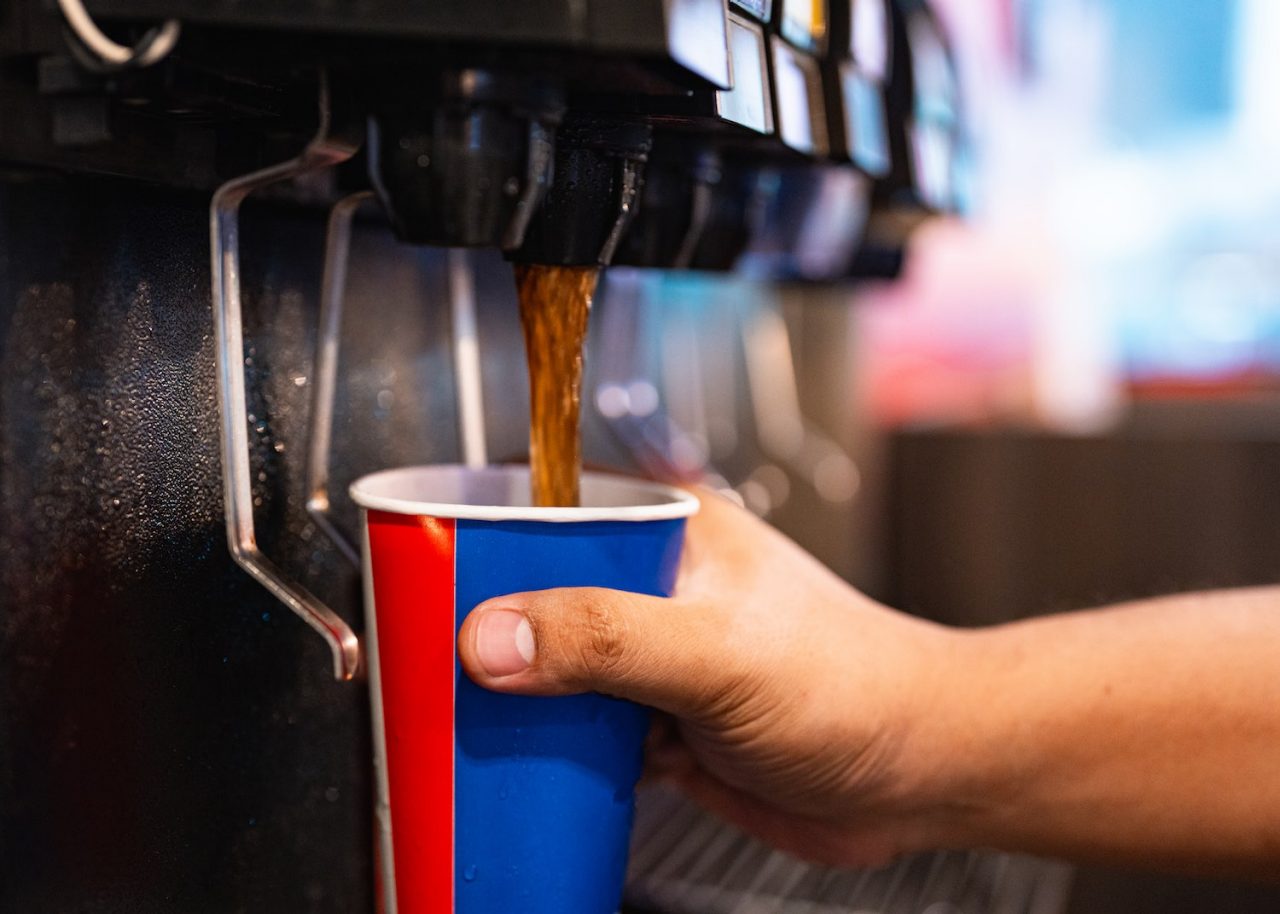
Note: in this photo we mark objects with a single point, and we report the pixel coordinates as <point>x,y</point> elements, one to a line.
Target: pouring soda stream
<point>555,303</point>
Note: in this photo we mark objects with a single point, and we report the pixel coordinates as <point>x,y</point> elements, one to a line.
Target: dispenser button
<point>696,38</point>
<point>864,123</point>
<point>870,40</point>
<point>757,9</point>
<point>747,103</point>
<point>801,118</point>
<point>804,23</point>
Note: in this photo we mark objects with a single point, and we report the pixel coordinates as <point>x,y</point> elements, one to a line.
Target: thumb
<point>657,651</point>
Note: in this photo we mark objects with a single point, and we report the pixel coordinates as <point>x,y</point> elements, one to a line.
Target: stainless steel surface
<point>784,433</point>
<point>323,151</point>
<point>636,411</point>
<point>624,397</point>
<point>466,358</point>
<point>682,388</point>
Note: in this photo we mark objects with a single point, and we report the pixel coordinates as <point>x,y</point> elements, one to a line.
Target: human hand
<point>792,698</point>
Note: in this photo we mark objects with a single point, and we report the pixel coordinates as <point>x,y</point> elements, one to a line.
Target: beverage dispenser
<point>171,738</point>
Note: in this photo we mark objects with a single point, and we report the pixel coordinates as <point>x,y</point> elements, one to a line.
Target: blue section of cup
<point>544,787</point>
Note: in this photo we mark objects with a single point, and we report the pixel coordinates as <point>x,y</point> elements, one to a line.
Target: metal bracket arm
<point>322,152</point>
<point>332,288</point>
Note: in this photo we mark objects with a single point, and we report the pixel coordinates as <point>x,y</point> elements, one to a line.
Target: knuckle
<point>603,647</point>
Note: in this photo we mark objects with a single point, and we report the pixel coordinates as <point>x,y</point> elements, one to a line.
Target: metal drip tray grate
<point>684,861</point>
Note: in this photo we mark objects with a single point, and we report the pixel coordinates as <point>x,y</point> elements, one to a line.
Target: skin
<point>847,733</point>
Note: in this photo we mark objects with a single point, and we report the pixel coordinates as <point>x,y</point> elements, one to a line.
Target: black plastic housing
<point>599,171</point>
<point>465,165</point>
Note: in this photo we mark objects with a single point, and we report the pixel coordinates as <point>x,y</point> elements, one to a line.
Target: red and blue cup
<point>489,803</point>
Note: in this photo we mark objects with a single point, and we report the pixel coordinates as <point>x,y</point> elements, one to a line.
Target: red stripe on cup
<point>413,590</point>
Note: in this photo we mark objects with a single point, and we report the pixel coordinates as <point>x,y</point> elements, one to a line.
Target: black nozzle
<point>675,206</point>
<point>698,210</point>
<point>599,171</point>
<point>735,213</point>
<point>465,161</point>
<point>815,217</point>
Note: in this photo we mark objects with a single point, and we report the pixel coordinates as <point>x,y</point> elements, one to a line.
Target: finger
<point>670,654</point>
<point>666,758</point>
<point>826,843</point>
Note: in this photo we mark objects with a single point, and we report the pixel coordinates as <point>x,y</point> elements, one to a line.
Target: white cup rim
<point>608,496</point>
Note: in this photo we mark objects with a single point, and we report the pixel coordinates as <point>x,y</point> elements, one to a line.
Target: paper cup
<point>488,803</point>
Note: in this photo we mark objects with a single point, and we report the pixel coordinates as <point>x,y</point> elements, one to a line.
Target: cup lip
<point>677,503</point>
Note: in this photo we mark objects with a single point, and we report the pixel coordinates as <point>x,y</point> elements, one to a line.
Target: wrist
<point>955,765</point>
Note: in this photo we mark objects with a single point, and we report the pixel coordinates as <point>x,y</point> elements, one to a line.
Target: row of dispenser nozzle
<point>494,159</point>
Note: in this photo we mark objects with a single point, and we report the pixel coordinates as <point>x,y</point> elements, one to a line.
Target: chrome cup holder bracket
<point>325,150</point>
<point>325,371</point>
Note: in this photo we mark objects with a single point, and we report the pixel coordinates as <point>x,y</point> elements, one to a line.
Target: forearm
<point>1146,733</point>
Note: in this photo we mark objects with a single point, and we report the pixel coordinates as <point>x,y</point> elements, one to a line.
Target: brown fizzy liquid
<point>554,305</point>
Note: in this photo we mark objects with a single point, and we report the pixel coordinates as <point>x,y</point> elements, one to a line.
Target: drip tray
<point>684,861</point>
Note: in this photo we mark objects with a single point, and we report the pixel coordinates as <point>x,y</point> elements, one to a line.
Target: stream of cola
<point>555,302</point>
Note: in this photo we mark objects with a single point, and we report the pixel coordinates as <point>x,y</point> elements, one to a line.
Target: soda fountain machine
<point>226,232</point>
